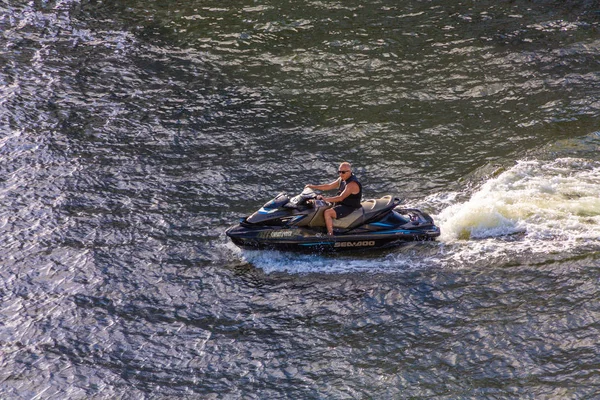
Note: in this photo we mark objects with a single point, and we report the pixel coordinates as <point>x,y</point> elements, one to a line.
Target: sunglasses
<point>342,172</point>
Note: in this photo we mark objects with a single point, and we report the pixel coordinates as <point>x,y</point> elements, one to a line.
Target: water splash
<point>406,258</point>
<point>555,202</point>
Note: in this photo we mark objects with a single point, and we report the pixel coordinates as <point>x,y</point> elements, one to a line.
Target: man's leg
<point>329,216</point>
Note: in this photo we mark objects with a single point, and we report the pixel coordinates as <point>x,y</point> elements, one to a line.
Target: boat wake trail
<point>534,207</point>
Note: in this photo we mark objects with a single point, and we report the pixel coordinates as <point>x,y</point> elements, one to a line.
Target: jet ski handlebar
<point>307,197</point>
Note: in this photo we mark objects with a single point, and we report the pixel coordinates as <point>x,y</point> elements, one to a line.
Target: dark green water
<point>132,134</point>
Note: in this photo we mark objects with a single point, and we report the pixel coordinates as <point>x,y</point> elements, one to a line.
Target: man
<point>348,196</point>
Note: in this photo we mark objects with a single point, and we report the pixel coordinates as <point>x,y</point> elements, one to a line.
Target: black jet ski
<point>297,223</point>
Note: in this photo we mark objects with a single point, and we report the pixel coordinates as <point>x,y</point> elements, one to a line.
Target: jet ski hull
<point>302,239</point>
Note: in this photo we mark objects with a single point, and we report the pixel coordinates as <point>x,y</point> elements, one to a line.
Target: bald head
<point>345,166</point>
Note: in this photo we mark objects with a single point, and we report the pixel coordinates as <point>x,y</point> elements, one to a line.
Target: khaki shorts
<point>342,211</point>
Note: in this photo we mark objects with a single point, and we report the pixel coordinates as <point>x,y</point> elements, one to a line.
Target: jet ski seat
<point>368,209</point>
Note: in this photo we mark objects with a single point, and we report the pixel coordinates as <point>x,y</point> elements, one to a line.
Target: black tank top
<point>354,199</point>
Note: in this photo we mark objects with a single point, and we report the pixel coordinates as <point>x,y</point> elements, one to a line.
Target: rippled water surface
<point>132,134</point>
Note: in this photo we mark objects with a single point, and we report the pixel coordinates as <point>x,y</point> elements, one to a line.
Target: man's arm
<point>327,186</point>
<point>351,188</point>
